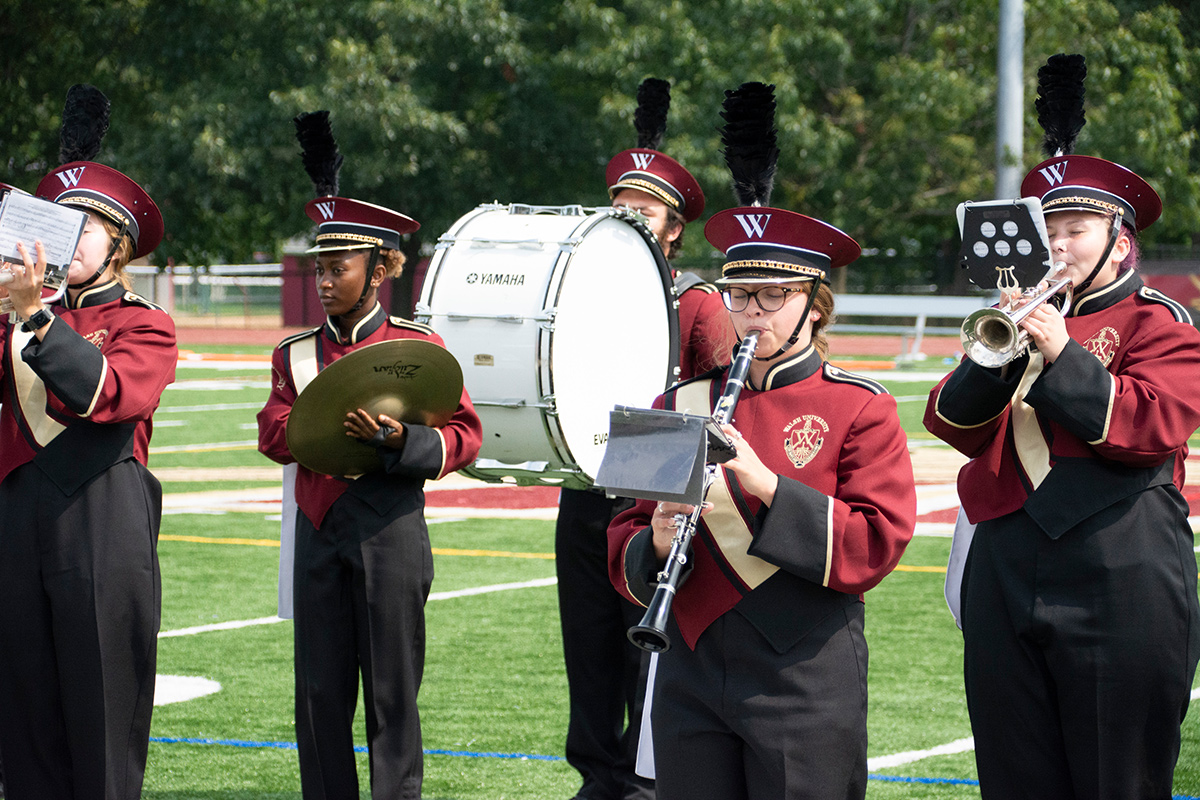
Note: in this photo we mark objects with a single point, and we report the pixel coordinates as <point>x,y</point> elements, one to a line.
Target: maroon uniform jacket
<point>1113,413</point>
<point>841,518</point>
<point>705,336</point>
<point>428,453</point>
<point>82,399</point>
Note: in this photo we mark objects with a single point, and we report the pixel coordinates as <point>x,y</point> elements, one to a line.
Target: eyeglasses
<point>770,298</point>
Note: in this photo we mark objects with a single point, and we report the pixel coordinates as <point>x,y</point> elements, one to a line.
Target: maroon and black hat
<point>95,187</point>
<point>771,245</point>
<point>1069,182</point>
<point>1084,183</point>
<point>659,175</point>
<point>346,224</point>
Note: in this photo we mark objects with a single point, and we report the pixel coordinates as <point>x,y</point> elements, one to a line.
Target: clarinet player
<point>763,693</point>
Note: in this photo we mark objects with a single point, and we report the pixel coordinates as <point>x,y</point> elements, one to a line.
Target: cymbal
<point>410,380</point>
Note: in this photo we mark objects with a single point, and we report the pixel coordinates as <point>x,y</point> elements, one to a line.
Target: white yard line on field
<point>898,759</point>
<point>248,623</point>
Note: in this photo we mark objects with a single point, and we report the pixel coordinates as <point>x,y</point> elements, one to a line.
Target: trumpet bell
<point>990,338</point>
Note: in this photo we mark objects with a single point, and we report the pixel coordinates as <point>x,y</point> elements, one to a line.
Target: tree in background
<point>886,110</point>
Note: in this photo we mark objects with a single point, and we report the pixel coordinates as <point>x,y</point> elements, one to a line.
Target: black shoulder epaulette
<point>295,337</point>
<point>138,300</point>
<point>401,322</point>
<point>1177,308</point>
<point>690,280</point>
<point>711,374</point>
<point>840,375</point>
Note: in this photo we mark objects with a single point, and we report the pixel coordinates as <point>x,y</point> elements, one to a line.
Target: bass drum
<point>556,314</point>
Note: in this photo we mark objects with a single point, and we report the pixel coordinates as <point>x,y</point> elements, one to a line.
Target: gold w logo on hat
<point>326,210</point>
<point>755,225</point>
<point>642,160</point>
<point>70,177</point>
<point>1053,174</point>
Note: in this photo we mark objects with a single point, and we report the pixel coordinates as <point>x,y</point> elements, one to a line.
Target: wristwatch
<point>38,320</point>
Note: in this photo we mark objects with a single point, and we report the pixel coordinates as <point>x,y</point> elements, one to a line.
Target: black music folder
<point>660,455</point>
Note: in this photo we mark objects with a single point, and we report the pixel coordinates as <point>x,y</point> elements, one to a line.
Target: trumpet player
<point>764,691</point>
<point>1079,609</point>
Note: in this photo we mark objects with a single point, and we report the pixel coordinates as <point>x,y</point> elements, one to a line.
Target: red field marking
<point>494,497</point>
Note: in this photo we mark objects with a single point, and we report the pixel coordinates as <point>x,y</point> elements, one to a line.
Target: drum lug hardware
<point>503,403</point>
<point>564,211</point>
<point>516,319</point>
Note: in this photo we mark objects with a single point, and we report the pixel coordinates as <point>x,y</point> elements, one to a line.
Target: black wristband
<point>38,320</point>
<point>381,435</point>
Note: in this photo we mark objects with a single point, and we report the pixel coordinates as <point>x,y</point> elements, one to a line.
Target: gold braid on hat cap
<point>756,264</point>
<point>645,186</point>
<point>353,237</point>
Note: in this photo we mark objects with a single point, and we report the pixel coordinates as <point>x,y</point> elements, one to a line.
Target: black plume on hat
<point>650,119</point>
<point>319,151</point>
<point>84,123</point>
<point>749,139</point>
<point>1060,102</point>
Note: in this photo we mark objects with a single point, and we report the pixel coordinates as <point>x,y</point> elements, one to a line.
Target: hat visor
<point>765,279</point>
<point>328,247</point>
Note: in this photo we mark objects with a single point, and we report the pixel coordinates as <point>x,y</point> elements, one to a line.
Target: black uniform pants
<point>1080,652</point>
<point>736,720</point>
<point>606,675</point>
<point>80,599</point>
<point>360,587</point>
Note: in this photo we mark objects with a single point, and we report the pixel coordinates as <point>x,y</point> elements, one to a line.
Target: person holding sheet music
<point>763,692</point>
<point>80,591</point>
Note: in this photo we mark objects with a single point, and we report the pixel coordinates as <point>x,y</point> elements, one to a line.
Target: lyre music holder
<point>660,455</point>
<point>1004,243</point>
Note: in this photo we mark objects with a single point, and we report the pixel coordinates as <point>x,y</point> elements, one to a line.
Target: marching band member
<point>363,564</point>
<point>765,696</point>
<point>605,673</point>
<point>80,592</point>
<point>1079,610</point>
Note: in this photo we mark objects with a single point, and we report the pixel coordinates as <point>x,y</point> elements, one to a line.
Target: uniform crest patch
<point>97,338</point>
<point>804,437</point>
<point>1103,345</point>
<point>280,380</point>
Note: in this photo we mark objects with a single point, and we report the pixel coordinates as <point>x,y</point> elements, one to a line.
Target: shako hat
<point>342,223</point>
<point>82,183</point>
<point>346,224</point>
<point>1085,183</point>
<point>95,187</point>
<point>772,245</point>
<point>764,244</point>
<point>1068,182</point>
<point>645,168</point>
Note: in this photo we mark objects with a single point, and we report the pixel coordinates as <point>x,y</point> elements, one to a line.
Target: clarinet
<point>651,633</point>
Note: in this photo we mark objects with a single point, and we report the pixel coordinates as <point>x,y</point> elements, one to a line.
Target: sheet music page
<point>25,218</point>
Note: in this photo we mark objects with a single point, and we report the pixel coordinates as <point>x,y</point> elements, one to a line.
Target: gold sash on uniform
<point>1032,450</point>
<point>726,525</point>
<point>30,391</point>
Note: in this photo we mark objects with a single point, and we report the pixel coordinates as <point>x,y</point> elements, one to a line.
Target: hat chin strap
<point>795,337</point>
<point>372,262</point>
<point>112,251</point>
<point>1113,232</point>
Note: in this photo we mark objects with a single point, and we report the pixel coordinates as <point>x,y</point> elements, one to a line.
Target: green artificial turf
<point>494,699</point>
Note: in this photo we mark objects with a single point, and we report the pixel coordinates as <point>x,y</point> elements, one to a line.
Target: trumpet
<point>651,633</point>
<point>993,337</point>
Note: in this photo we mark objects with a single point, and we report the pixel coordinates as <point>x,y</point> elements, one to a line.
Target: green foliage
<point>886,110</point>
